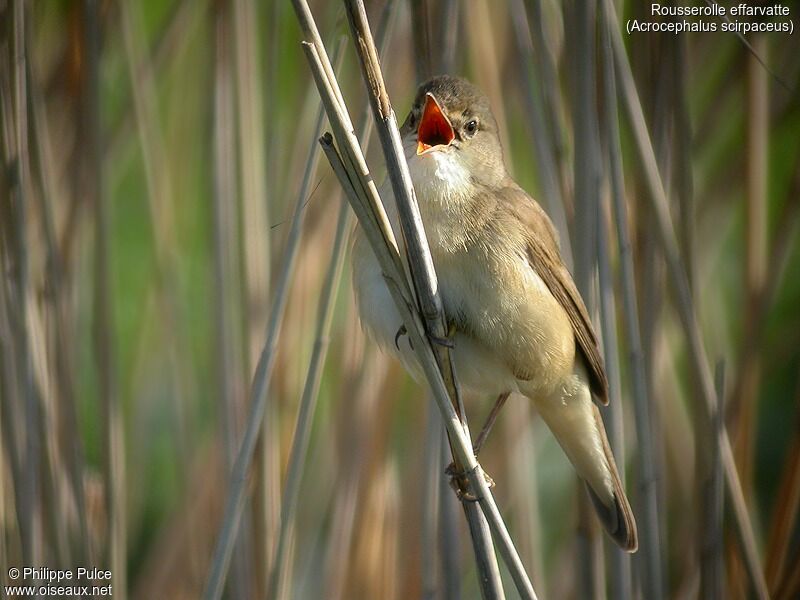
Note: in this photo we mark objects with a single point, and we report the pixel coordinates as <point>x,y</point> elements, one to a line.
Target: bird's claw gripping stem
<point>446,341</point>
<point>459,481</point>
<point>400,333</point>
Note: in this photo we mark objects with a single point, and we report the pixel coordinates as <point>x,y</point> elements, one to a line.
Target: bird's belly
<point>477,368</point>
<point>512,316</point>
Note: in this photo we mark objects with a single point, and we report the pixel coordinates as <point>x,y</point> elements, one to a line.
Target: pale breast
<point>510,327</point>
<point>501,302</point>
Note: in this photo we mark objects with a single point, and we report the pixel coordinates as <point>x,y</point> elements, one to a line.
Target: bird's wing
<point>544,256</point>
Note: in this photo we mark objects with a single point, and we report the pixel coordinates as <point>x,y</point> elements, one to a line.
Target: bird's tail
<point>576,423</point>
<point>616,516</point>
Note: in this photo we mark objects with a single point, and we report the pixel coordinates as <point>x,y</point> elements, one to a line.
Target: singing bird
<point>518,321</point>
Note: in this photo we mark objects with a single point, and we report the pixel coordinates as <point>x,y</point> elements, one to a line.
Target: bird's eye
<point>471,127</point>
<point>412,118</point>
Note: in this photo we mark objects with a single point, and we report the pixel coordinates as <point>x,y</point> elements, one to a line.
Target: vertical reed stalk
<point>586,173</point>
<point>281,567</point>
<point>255,243</point>
<point>586,178</point>
<point>420,27</point>
<point>268,455</point>
<point>712,507</point>
<point>647,518</point>
<point>621,585</point>
<point>5,394</point>
<point>259,396</point>
<point>448,35</point>
<point>448,537</point>
<point>105,343</point>
<point>784,518</point>
<point>539,126</point>
<point>439,544</point>
<point>551,98</point>
<point>430,525</point>
<point>745,418</point>
<point>31,523</point>
<point>170,42</point>
<point>230,367</point>
<point>9,382</point>
<point>684,186</point>
<point>357,428</point>
<point>63,334</point>
<point>668,242</point>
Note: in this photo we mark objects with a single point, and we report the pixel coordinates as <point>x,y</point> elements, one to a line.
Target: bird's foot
<point>460,482</point>
<point>400,333</point>
<point>446,341</point>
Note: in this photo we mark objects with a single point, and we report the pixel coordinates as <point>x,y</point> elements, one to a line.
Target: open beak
<point>434,128</point>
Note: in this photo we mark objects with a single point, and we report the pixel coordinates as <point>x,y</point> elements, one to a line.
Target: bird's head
<point>451,127</point>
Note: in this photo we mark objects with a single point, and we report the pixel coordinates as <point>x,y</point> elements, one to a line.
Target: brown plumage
<point>520,322</point>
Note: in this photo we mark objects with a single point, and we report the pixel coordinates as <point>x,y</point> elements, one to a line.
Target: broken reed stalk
<point>258,397</point>
<point>667,239</point>
<point>353,175</point>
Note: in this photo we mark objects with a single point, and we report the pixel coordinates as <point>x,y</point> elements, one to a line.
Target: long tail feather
<point>576,423</point>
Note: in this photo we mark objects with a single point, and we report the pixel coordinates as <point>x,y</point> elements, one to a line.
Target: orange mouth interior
<point>434,128</point>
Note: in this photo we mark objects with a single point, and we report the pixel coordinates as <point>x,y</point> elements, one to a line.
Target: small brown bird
<point>520,324</point>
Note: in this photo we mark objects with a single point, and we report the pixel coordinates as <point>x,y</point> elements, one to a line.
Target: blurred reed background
<point>154,154</point>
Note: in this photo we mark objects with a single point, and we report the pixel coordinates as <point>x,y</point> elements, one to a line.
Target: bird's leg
<point>459,481</point>
<point>487,426</point>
